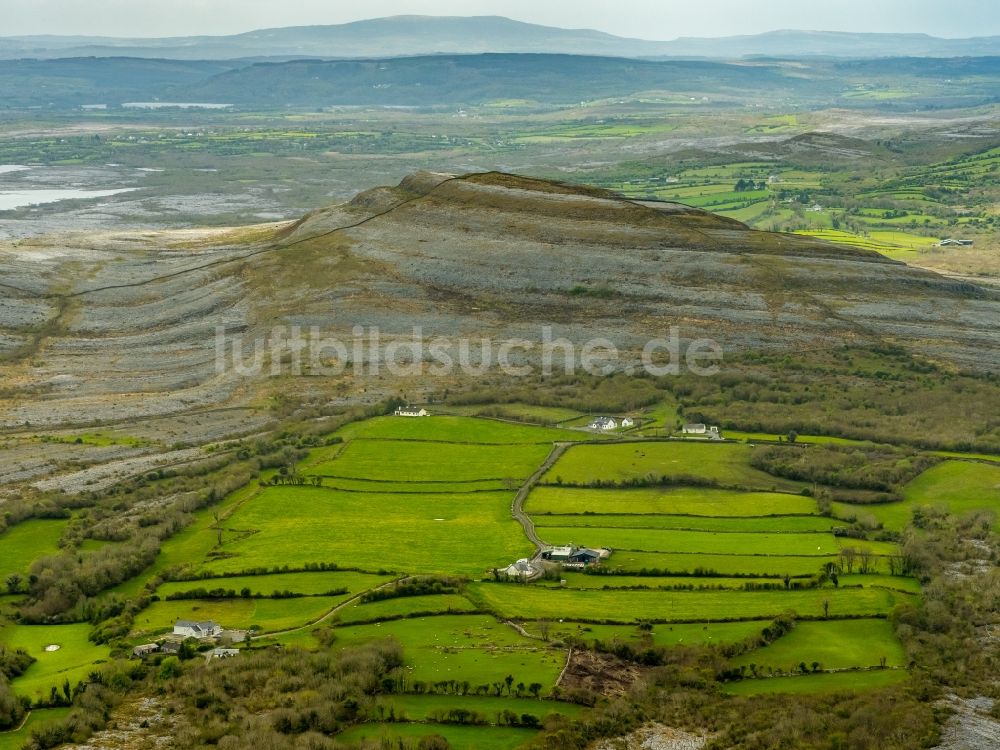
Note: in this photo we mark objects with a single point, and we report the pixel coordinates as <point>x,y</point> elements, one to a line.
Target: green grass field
<point>26,542</point>
<point>476,648</point>
<point>575,580</point>
<point>441,533</point>
<point>404,607</point>
<point>961,486</point>
<point>318,582</point>
<point>725,463</point>
<point>14,740</point>
<point>532,603</point>
<point>457,429</point>
<point>73,661</point>
<point>819,683</point>
<point>431,462</point>
<point>838,644</point>
<point>665,634</point>
<point>698,542</point>
<point>542,415</point>
<point>693,501</point>
<point>267,614</point>
<point>727,565</point>
<point>423,707</point>
<point>773,524</point>
<point>189,547</point>
<point>458,737</point>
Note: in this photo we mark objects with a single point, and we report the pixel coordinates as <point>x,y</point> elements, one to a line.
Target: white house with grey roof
<point>199,630</point>
<point>411,411</point>
<point>603,423</point>
<point>702,430</point>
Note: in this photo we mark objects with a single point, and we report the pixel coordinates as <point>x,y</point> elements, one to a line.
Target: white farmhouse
<point>603,423</point>
<point>199,630</point>
<point>701,430</point>
<point>411,411</point>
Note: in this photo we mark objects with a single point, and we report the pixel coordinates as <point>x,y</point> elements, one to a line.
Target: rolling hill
<point>125,326</point>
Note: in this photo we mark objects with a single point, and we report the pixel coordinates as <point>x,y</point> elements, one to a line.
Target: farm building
<point>145,650</point>
<point>950,242</point>
<point>222,653</point>
<point>628,422</point>
<point>701,430</point>
<point>200,630</point>
<point>603,423</point>
<point>411,411</point>
<point>573,555</point>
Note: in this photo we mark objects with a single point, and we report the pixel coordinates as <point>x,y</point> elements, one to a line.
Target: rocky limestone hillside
<point>113,327</point>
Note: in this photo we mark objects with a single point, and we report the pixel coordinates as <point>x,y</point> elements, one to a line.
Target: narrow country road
<point>333,611</point>
<point>517,507</point>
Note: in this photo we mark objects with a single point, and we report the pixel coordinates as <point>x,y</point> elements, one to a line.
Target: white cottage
<point>199,630</point>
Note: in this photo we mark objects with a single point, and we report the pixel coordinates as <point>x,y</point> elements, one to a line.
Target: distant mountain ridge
<point>449,80</point>
<point>425,35</point>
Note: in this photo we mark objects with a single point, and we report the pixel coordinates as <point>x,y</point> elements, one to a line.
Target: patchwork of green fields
<point>433,496</point>
<point>598,605</point>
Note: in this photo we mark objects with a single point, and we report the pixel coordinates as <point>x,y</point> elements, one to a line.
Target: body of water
<point>13,199</point>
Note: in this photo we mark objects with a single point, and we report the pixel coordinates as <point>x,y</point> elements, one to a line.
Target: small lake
<point>12,199</point>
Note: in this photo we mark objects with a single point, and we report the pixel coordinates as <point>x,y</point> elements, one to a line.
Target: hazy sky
<point>649,19</point>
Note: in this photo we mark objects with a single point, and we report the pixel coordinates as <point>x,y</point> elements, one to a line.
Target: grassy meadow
<point>725,463</point>
<point>529,603</point>
<point>74,660</point>
<point>414,533</point>
<point>673,501</point>
<point>26,542</point>
<point>476,648</point>
<point>835,682</point>
<point>843,644</point>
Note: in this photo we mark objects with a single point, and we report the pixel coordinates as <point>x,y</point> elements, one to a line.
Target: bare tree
<point>866,563</point>
<point>847,557</point>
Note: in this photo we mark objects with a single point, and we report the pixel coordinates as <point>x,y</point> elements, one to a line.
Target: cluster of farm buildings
<point>206,631</point>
